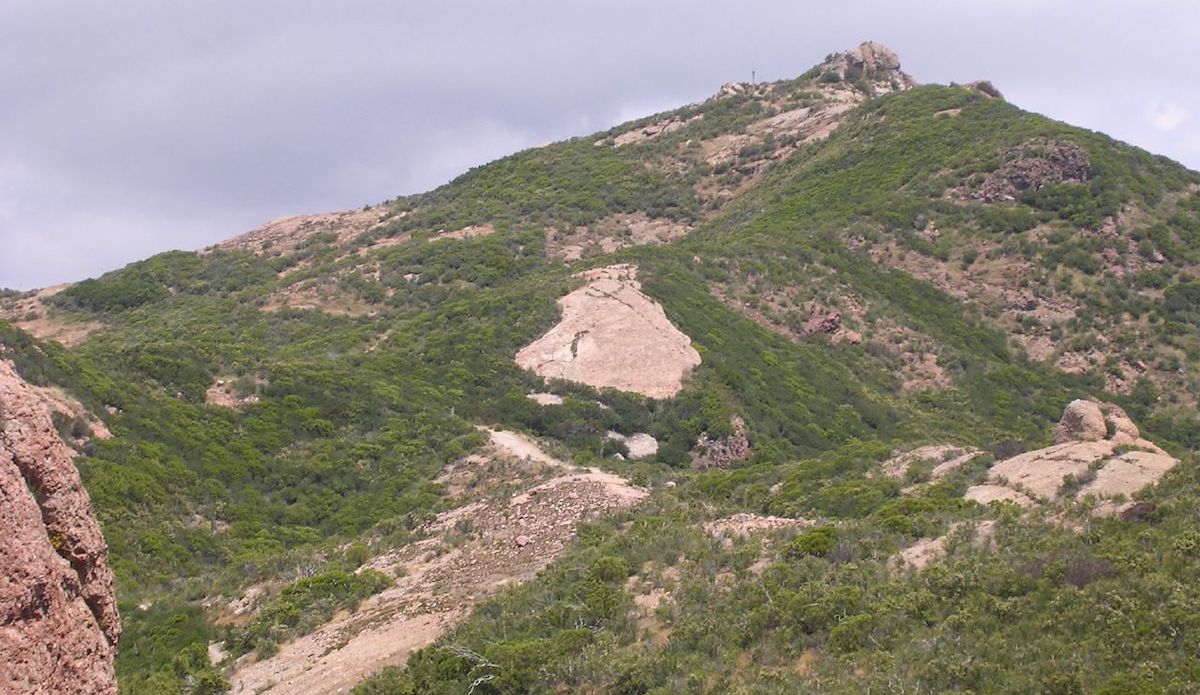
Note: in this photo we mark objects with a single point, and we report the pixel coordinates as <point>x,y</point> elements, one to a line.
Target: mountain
<point>834,384</point>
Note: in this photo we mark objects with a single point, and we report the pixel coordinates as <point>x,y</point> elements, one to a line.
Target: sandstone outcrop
<point>286,234</point>
<point>873,62</point>
<point>927,550</point>
<point>1098,452</point>
<point>1081,421</point>
<point>743,524</point>
<point>613,336</point>
<point>639,444</point>
<point>942,459</point>
<point>58,615</point>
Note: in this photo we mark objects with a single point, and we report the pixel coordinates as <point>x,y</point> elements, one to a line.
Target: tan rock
<point>613,336</point>
<point>1122,428</point>
<point>927,550</point>
<point>1107,467</point>
<point>1081,421</point>
<point>986,494</point>
<point>946,457</point>
<point>871,61</point>
<point>545,398</point>
<point>286,234</point>
<point>469,232</point>
<point>639,444</point>
<point>744,524</point>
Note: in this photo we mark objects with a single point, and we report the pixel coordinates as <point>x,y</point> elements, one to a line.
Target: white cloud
<point>1167,115</point>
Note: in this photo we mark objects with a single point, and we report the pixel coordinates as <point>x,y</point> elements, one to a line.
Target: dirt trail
<point>470,553</point>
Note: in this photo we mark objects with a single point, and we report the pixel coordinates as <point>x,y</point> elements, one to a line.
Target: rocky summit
<point>840,383</point>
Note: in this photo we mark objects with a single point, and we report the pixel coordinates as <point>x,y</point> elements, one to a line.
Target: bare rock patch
<point>611,335</point>
<point>469,232</point>
<point>1099,453</point>
<point>467,555</point>
<point>942,458</point>
<point>34,313</point>
<point>926,550</point>
<point>744,524</point>
<point>287,234</point>
<point>545,398</point>
<point>611,234</point>
<point>639,444</point>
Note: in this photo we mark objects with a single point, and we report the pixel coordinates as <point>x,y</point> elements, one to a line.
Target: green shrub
<point>817,542</point>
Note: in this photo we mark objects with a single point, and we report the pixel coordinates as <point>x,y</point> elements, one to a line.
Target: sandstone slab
<point>611,335</point>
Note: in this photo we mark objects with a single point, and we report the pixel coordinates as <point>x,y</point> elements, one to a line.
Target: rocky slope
<point>466,555</point>
<point>58,616</point>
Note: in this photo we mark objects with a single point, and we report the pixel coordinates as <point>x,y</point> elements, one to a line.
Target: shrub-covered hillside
<point>864,266</point>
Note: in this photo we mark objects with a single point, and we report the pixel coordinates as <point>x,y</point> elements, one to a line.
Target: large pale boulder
<point>612,335</point>
<point>1082,421</point>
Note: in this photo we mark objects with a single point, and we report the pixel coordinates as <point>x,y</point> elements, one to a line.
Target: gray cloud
<point>135,127</point>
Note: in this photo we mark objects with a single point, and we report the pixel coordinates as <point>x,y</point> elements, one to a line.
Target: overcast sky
<point>132,127</point>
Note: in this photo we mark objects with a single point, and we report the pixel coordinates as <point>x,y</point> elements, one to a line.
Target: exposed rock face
<point>1029,167</point>
<point>944,459</point>
<point>722,452</point>
<point>640,445</point>
<point>1081,421</point>
<point>927,550</point>
<point>1098,452</point>
<point>612,335</point>
<point>653,130</point>
<point>824,323</point>
<point>871,61</point>
<point>58,614</point>
<point>545,398</point>
<point>611,234</point>
<point>986,88</point>
<point>1090,421</point>
<point>35,313</point>
<point>743,525</point>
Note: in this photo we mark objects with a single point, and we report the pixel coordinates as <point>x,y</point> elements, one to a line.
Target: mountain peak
<point>870,61</point>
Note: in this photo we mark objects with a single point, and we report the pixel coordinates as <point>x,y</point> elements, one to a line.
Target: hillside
<point>799,351</point>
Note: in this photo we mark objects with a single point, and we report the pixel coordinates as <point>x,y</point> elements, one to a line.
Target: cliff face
<point>58,614</point>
